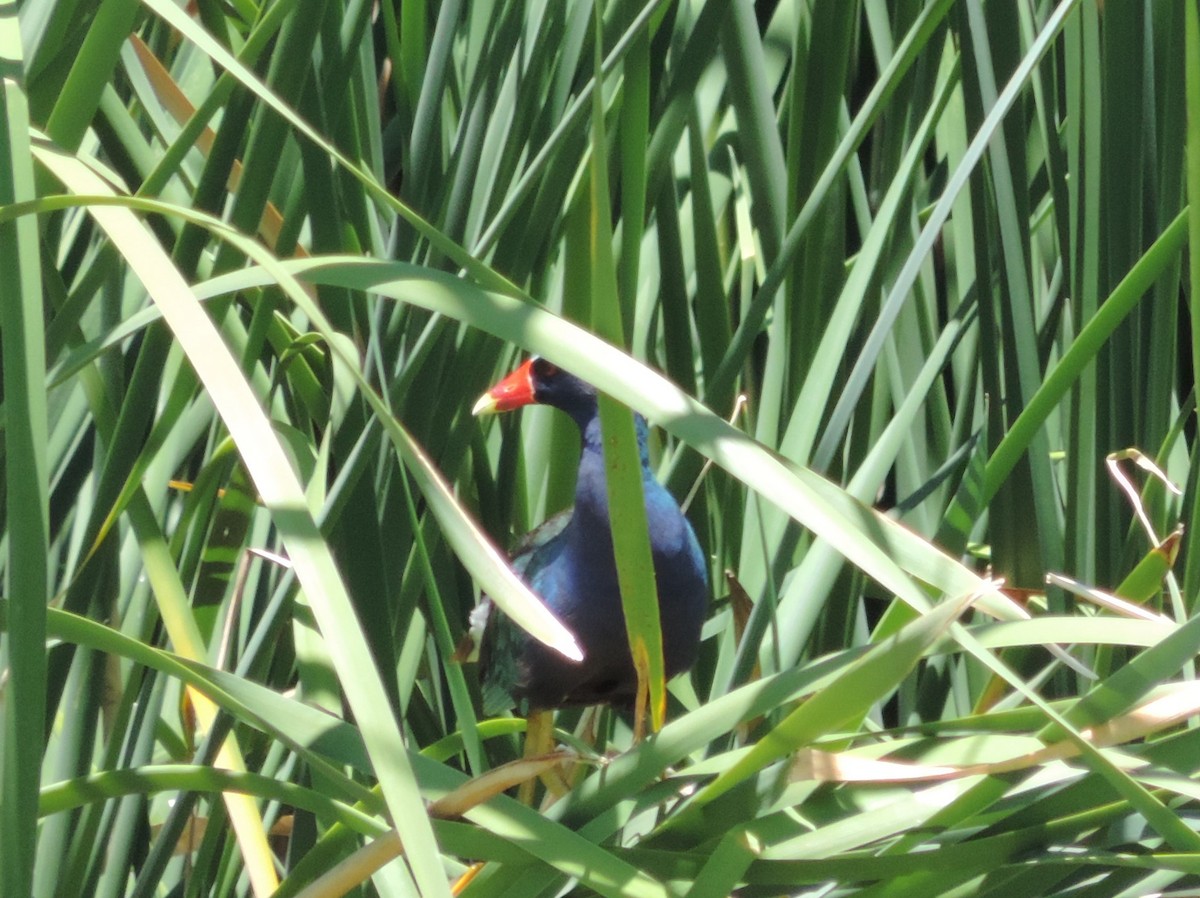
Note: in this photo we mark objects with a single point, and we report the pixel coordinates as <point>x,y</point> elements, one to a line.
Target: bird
<point>569,563</point>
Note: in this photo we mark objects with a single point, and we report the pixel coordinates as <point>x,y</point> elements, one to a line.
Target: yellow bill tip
<point>485,405</point>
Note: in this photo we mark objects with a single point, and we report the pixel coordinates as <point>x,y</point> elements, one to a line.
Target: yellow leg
<point>463,881</point>
<point>539,740</point>
<point>587,732</point>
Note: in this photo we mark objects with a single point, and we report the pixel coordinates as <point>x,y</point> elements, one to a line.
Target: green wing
<point>502,643</point>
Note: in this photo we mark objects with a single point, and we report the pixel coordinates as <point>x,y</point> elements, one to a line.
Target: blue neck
<point>591,492</point>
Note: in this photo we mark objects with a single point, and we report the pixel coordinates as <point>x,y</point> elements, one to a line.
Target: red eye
<point>545,368</point>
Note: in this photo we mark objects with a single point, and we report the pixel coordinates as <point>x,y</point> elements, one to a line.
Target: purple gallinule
<point>569,563</point>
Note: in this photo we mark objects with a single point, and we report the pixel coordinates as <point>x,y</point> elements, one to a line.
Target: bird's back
<point>575,574</point>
